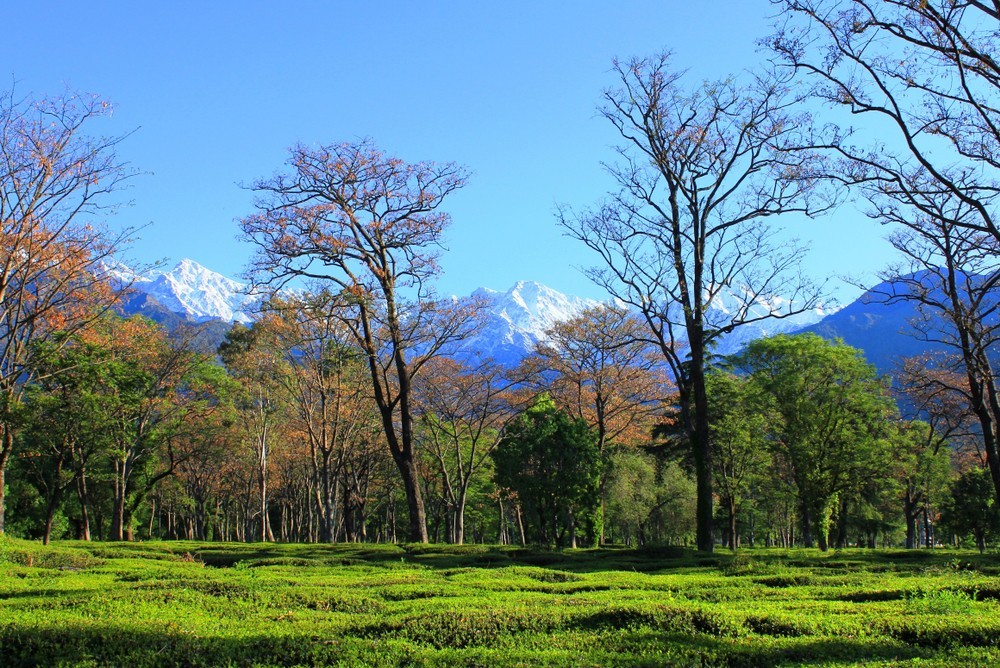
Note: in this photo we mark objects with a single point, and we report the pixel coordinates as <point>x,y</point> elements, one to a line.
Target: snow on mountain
<point>728,303</point>
<point>200,293</point>
<point>191,290</point>
<point>517,319</point>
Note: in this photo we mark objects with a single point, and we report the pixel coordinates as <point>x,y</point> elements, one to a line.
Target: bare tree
<point>701,171</point>
<point>54,181</point>
<point>369,224</point>
<point>605,372</point>
<point>952,274</point>
<point>925,77</point>
<point>464,408</point>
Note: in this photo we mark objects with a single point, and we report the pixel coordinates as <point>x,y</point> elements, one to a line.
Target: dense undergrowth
<point>203,604</point>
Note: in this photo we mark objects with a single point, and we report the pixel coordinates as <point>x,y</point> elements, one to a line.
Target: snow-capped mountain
<point>201,293</point>
<point>514,322</point>
<point>517,319</point>
<point>192,290</point>
<point>728,303</point>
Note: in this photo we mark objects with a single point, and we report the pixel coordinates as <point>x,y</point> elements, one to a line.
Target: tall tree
<point>54,180</point>
<point>921,465</point>
<point>370,224</point>
<point>702,170</point>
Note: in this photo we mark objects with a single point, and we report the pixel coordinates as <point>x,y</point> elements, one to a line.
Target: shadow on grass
<point>759,562</point>
<point>24,648</point>
<point>45,592</point>
<point>647,559</point>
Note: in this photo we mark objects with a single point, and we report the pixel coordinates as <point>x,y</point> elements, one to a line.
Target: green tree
<point>65,418</point>
<point>833,408</point>
<point>972,507</point>
<point>553,463</point>
<point>921,464</point>
<point>741,421</point>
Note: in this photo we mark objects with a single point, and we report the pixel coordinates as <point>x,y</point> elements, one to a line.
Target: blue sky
<point>217,91</point>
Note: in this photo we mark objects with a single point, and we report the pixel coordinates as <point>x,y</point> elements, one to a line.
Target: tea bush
<point>193,604</point>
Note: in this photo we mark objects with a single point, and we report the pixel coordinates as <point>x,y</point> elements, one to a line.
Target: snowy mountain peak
<point>189,289</point>
<point>200,293</point>
<point>517,319</point>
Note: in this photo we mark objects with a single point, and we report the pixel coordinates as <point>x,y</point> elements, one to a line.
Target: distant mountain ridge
<point>515,320</point>
<point>880,323</point>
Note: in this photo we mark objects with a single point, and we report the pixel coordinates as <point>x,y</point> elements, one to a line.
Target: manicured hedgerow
<point>201,604</point>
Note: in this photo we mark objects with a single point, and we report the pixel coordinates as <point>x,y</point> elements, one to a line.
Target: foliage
<point>742,421</point>
<point>553,463</point>
<point>833,410</point>
<point>54,178</point>
<point>973,508</point>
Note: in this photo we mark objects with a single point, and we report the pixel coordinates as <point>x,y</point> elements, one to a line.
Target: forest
<point>350,412</point>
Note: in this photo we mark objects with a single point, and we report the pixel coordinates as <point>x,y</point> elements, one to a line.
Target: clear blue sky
<point>217,91</point>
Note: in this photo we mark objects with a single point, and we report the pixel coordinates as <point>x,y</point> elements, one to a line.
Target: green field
<point>203,604</point>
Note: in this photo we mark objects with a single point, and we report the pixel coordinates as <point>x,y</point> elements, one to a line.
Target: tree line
<point>370,355</point>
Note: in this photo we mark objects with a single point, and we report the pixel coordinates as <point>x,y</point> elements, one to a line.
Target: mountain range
<point>516,319</point>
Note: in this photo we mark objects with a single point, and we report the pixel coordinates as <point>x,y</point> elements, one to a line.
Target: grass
<point>201,604</point>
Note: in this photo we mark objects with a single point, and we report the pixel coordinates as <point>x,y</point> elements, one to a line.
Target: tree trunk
<point>928,529</point>
<point>910,512</point>
<point>842,525</point>
<point>84,497</point>
<point>53,501</point>
<point>417,520</point>
<point>806,522</point>
<point>732,526</point>
<point>460,516</point>
<point>702,451</point>
<point>118,508</point>
<point>6,448</point>
<point>520,525</point>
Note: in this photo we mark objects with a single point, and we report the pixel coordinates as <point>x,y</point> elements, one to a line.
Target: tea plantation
<point>209,604</point>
